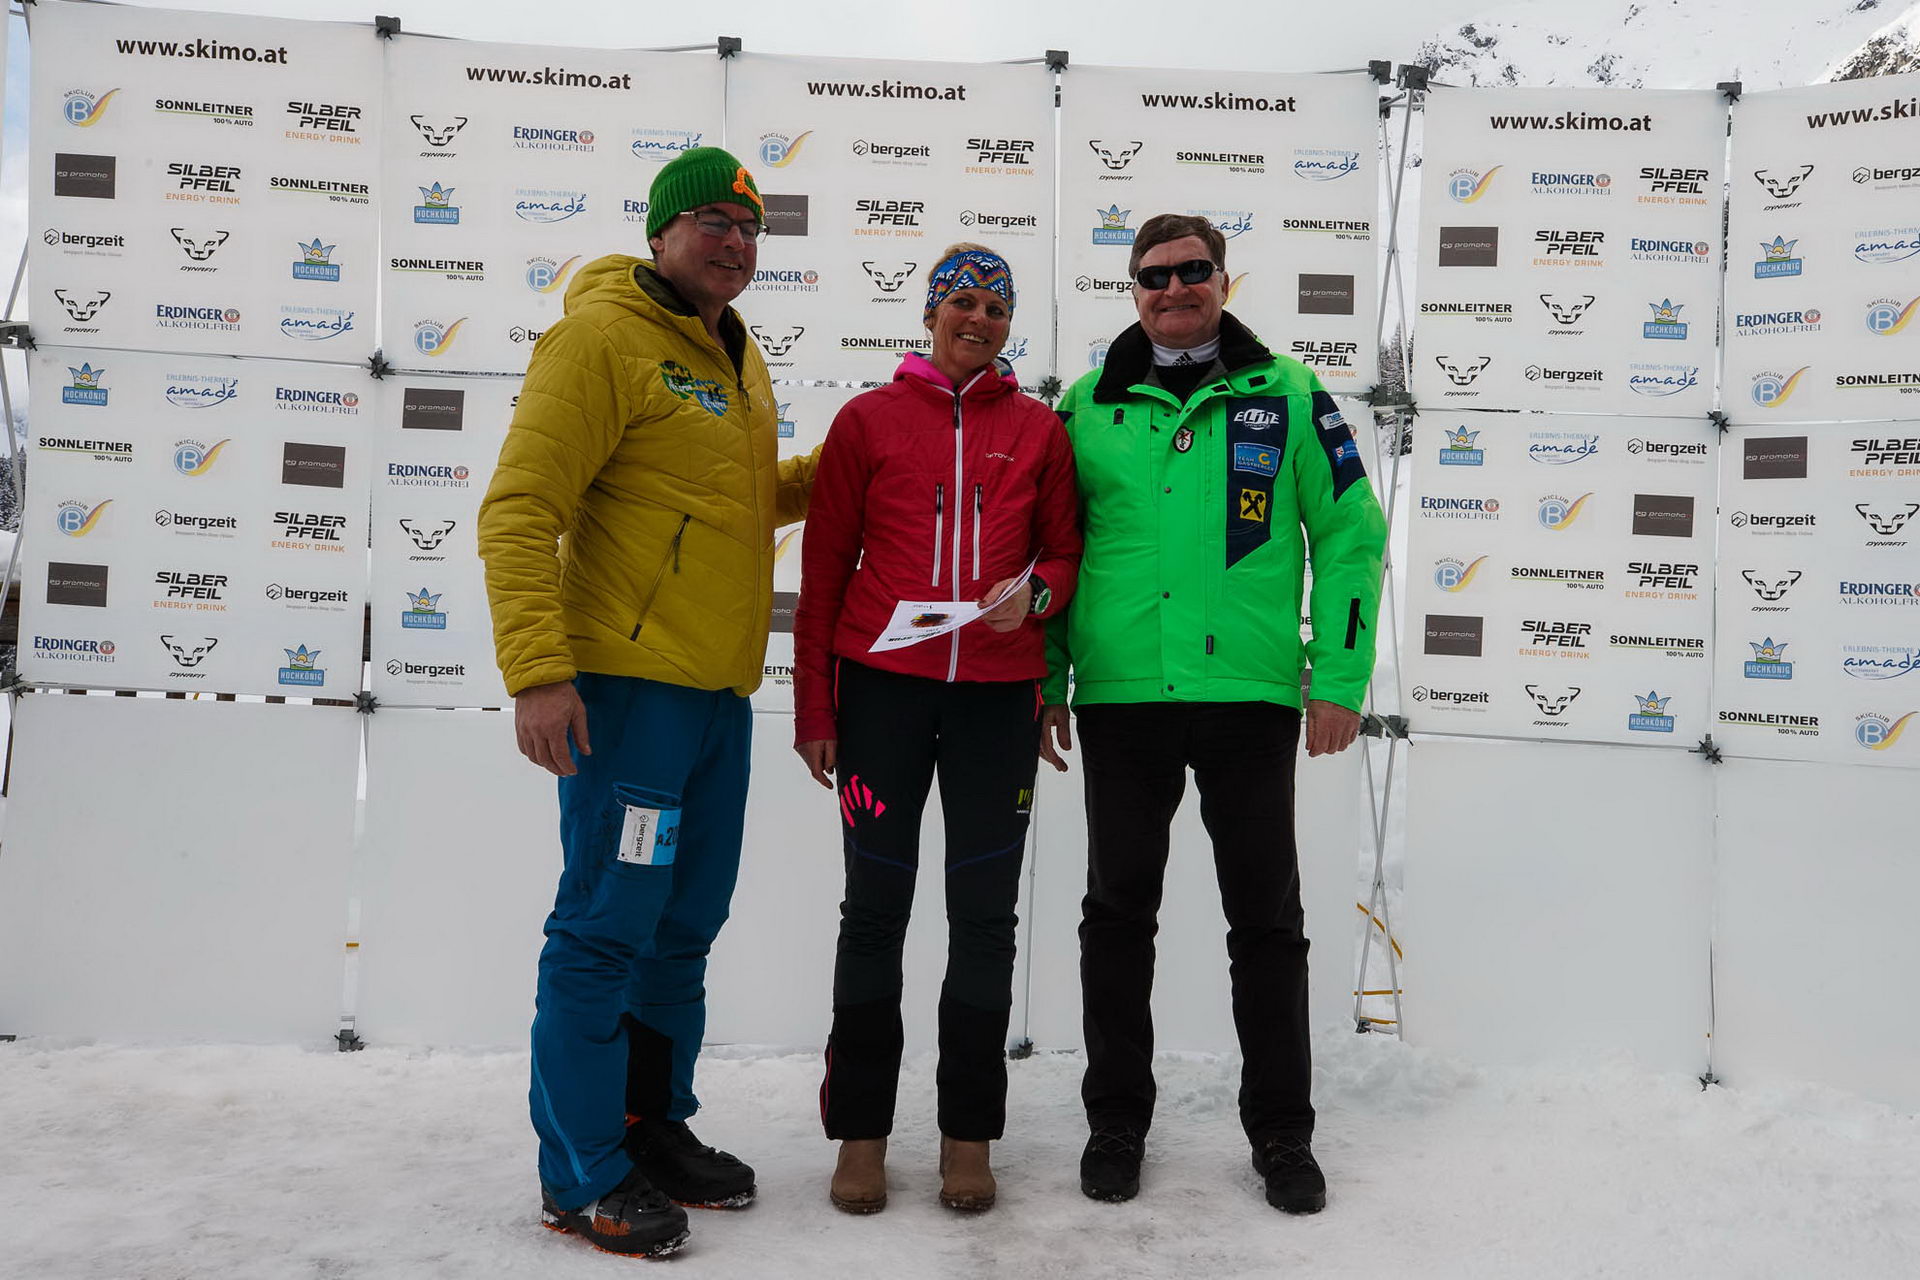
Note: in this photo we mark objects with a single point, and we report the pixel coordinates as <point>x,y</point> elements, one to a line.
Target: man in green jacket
<point>1202,457</point>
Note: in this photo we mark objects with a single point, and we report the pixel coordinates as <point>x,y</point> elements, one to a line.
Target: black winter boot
<point>1110,1164</point>
<point>1294,1181</point>
<point>633,1218</point>
<point>687,1169</point>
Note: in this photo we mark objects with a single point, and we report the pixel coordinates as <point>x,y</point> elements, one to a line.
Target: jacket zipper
<point>939,513</point>
<point>976,530</point>
<point>672,555</point>
<point>959,487</point>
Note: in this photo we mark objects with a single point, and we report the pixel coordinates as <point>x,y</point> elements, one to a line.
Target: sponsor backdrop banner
<point>869,169</point>
<point>1568,254</point>
<point>435,448</point>
<point>1286,166</point>
<point>195,522</point>
<point>512,166</point>
<point>1823,285</point>
<point>806,413</point>
<point>1560,577</point>
<point>203,182</point>
<point>1819,594</point>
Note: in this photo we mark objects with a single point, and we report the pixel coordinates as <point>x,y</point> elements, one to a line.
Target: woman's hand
<point>820,756</point>
<point>1012,611</point>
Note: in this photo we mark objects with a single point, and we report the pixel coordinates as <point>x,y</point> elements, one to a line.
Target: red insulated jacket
<point>928,494</point>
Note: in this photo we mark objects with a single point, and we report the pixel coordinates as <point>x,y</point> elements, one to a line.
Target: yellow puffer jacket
<point>629,526</point>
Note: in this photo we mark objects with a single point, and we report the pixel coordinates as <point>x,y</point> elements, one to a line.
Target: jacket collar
<point>997,379</point>
<point>1130,358</point>
<point>660,291</point>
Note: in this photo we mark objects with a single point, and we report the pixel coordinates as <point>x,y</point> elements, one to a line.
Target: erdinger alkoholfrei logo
<point>776,342</point>
<point>1666,321</point>
<point>1777,259</point>
<point>85,386</point>
<point>436,207</point>
<point>778,150</point>
<point>1558,513</point>
<point>1459,450</point>
<point>316,262</point>
<point>434,338</point>
<point>544,275</point>
<point>889,277</point>
<point>1771,389</point>
<point>1461,372</point>
<point>1465,186</point>
<point>423,612</point>
<point>439,130</point>
<point>1652,716</point>
<point>1115,156</point>
<point>84,109</point>
<point>1113,228</point>
<point>1769,660</point>
<point>300,668</point>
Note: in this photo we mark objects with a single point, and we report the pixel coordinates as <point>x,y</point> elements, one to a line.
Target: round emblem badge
<point>1183,439</point>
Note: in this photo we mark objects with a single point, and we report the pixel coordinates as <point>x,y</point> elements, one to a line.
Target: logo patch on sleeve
<point>1257,459</point>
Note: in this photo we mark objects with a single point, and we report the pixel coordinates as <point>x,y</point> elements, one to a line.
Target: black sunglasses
<point>1190,272</point>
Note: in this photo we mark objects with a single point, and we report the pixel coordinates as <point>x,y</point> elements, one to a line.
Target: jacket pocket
<point>670,558</point>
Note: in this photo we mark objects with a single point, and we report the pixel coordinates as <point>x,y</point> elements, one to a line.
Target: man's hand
<point>1012,611</point>
<point>821,755</point>
<point>1331,728</point>
<point>542,715</point>
<point>1056,726</point>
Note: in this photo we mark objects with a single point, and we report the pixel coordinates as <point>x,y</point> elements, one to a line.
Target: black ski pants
<point>1136,757</point>
<point>897,732</point>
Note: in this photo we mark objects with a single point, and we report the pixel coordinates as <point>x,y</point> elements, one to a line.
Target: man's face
<point>707,269</point>
<point>1181,315</point>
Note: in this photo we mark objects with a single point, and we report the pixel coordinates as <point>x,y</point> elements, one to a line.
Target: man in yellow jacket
<point>628,540</point>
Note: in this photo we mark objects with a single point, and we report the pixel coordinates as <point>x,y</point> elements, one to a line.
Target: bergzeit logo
<point>84,244</point>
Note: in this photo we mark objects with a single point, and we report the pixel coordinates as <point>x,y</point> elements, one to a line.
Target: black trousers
<point>1135,760</point>
<point>896,733</point>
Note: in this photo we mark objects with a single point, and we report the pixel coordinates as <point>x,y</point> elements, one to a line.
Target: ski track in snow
<point>263,1162</point>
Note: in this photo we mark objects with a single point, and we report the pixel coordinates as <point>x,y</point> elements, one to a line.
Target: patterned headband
<point>969,269</point>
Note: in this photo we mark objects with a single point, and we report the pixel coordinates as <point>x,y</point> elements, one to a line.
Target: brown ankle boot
<point>860,1178</point>
<point>966,1177</point>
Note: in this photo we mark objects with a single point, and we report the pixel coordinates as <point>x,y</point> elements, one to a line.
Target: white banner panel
<point>1558,579</point>
<point>1823,285</point>
<point>805,415</point>
<point>1286,166</point>
<point>195,522</point>
<point>1815,885</point>
<point>432,633</point>
<point>1819,591</point>
<point>203,182</point>
<point>1538,934</point>
<point>188,881</point>
<point>1568,254</point>
<point>871,168</point>
<point>511,166</point>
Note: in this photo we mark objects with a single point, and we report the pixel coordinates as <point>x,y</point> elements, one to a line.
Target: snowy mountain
<point>1676,44</point>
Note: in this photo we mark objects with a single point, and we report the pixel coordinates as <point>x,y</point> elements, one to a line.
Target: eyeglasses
<point>716,224</point>
<point>1190,272</point>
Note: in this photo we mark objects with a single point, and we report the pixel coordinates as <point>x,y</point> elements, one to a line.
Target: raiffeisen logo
<point>1888,316</point>
<point>1772,389</point>
<point>544,275</point>
<point>432,338</point>
<point>1465,186</point>
<point>84,109</point>
<point>778,150</point>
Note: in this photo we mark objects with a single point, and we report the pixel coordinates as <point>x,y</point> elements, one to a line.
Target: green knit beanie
<point>701,175</point>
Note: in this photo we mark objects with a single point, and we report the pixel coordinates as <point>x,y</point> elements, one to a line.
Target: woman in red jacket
<point>943,485</point>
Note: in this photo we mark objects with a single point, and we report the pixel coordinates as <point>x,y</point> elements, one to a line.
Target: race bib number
<point>648,836</point>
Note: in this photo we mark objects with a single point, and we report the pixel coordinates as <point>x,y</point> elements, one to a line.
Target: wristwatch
<point>1042,595</point>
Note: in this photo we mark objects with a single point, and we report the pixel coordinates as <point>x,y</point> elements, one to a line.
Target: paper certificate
<point>917,620</point>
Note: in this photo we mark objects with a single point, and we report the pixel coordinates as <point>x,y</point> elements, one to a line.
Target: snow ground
<point>271,1163</point>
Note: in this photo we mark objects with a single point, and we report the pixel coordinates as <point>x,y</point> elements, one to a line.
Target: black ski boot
<point>634,1218</point>
<point>689,1171</point>
<point>1294,1181</point>
<point>1110,1164</point>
